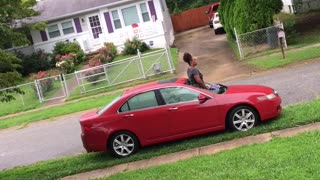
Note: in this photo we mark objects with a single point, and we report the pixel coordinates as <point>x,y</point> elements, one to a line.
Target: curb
<point>200,151</point>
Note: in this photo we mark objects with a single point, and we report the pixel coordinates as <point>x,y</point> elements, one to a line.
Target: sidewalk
<point>206,150</point>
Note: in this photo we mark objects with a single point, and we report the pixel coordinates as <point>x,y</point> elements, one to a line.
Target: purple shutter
<point>152,10</point>
<point>108,22</point>
<point>44,36</point>
<point>78,25</point>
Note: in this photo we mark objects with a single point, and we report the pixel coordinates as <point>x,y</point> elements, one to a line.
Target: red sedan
<point>171,109</point>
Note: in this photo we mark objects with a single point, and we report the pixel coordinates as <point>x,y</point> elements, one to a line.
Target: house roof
<point>58,9</point>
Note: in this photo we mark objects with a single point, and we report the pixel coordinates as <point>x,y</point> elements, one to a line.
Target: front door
<point>95,29</point>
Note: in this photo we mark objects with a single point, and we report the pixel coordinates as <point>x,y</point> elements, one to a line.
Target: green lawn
<point>291,57</point>
<point>282,158</point>
<point>27,101</point>
<point>291,116</point>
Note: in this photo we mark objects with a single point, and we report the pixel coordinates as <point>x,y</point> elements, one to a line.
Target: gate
<point>50,88</point>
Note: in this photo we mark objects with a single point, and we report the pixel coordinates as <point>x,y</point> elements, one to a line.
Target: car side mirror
<point>202,98</point>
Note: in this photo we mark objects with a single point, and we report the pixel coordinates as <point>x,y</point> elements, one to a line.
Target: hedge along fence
<point>190,19</point>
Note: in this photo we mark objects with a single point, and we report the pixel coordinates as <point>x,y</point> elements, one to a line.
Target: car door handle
<point>173,109</point>
<point>128,115</point>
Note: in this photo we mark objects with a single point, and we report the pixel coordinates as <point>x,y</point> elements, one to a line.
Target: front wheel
<point>123,144</point>
<point>242,118</point>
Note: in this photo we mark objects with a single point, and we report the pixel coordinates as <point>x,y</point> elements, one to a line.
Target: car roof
<point>154,85</point>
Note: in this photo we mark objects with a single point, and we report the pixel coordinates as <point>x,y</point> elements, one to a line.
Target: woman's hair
<point>187,57</point>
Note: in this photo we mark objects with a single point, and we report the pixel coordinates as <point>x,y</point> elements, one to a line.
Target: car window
<point>178,95</point>
<point>108,105</point>
<point>140,101</point>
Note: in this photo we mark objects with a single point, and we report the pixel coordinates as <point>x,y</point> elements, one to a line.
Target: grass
<point>291,116</point>
<point>291,57</point>
<point>27,101</point>
<point>282,158</point>
<point>56,111</point>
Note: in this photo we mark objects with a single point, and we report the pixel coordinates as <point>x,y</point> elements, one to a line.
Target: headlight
<point>268,97</point>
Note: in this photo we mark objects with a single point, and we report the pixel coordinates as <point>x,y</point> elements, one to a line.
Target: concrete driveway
<point>52,139</point>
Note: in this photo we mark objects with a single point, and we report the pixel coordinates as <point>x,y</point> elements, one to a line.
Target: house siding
<point>156,34</point>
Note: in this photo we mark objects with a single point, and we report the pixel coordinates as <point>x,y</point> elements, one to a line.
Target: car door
<point>145,117</point>
<point>186,114</point>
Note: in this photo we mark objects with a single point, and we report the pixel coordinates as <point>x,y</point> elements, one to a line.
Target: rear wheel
<point>123,144</point>
<point>242,118</point>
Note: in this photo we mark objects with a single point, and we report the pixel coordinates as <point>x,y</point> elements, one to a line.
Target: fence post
<point>140,62</point>
<point>38,90</point>
<point>169,59</point>
<point>65,84</point>
<point>238,42</point>
<point>22,100</point>
<point>284,39</point>
<point>105,72</point>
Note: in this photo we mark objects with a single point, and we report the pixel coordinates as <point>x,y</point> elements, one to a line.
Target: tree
<point>12,16</point>
<point>247,15</point>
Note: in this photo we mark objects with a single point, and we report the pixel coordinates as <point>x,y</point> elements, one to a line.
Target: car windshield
<point>108,105</point>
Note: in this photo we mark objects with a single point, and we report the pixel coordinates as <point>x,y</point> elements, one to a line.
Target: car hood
<point>236,89</point>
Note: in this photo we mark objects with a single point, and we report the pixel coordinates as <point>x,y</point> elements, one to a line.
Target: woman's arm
<point>199,81</point>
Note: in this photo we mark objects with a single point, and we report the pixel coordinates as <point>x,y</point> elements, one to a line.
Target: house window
<point>130,15</point>
<point>116,19</point>
<point>144,12</point>
<point>67,27</point>
<point>54,31</point>
<point>95,26</point>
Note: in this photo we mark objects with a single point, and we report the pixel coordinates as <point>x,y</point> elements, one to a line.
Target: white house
<point>93,22</point>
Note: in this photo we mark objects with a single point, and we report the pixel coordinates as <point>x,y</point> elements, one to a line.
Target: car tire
<point>242,118</point>
<point>123,144</point>
<point>210,25</point>
<point>216,31</point>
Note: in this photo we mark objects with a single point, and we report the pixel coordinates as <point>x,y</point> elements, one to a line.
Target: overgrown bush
<point>289,23</point>
<point>46,85</point>
<point>131,47</point>
<point>37,61</point>
<point>63,48</point>
<point>66,63</point>
<point>247,15</point>
<point>105,54</point>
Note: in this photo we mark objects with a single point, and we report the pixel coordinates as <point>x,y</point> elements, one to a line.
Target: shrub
<point>63,48</point>
<point>247,15</point>
<point>289,23</point>
<point>91,77</point>
<point>37,61</point>
<point>66,63</point>
<point>106,54</point>
<point>45,84</point>
<point>130,47</point>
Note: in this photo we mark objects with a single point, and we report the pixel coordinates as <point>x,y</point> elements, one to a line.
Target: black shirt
<point>191,73</point>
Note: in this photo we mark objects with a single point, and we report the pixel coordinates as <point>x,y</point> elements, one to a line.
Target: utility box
<point>156,68</point>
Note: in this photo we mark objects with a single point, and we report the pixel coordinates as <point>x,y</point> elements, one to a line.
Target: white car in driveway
<point>217,26</point>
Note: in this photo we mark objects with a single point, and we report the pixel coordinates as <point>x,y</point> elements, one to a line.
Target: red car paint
<point>169,122</point>
<point>212,9</point>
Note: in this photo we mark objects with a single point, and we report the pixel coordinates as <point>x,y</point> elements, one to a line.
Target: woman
<point>194,75</point>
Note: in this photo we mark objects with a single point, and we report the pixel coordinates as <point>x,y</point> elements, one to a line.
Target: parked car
<point>217,26</point>
<point>212,9</point>
<point>171,109</point>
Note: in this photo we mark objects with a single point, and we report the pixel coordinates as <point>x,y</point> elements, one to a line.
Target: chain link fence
<point>258,41</point>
